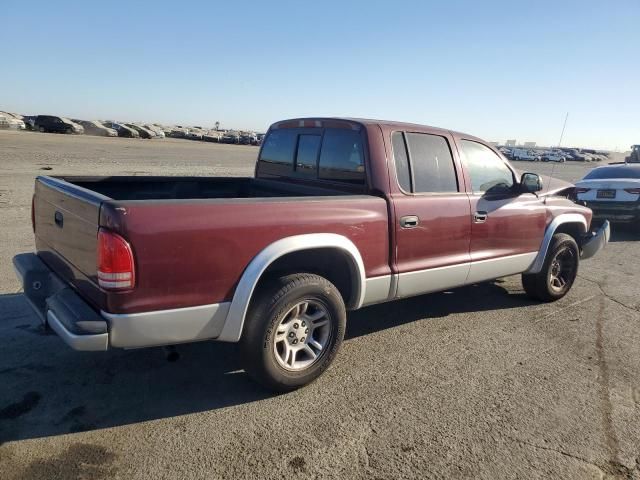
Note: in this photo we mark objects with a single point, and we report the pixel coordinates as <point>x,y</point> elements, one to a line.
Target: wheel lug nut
<point>304,324</point>
<point>306,330</point>
<point>291,335</point>
<point>295,325</point>
<point>302,339</point>
<point>295,340</point>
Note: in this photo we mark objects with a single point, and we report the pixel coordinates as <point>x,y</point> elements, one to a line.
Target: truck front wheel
<point>293,331</point>
<point>558,272</point>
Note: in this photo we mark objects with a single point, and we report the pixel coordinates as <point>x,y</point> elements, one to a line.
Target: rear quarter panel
<point>194,252</point>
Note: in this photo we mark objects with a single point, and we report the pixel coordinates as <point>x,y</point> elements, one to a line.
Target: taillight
<point>633,191</point>
<point>33,213</point>
<point>582,190</point>
<point>116,269</point>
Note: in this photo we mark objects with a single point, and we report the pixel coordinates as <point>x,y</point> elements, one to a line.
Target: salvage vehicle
<point>143,132</point>
<point>93,127</point>
<point>52,124</point>
<point>122,129</point>
<point>230,137</point>
<point>524,154</point>
<point>554,156</point>
<point>212,136</point>
<point>612,192</point>
<point>195,133</point>
<point>14,120</point>
<point>340,214</point>
<point>158,131</point>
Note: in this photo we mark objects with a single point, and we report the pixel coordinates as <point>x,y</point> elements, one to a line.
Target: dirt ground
<point>478,382</point>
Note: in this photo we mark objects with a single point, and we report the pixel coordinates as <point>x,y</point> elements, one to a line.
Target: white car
<point>524,154</point>
<point>554,157</point>
<point>15,122</point>
<point>612,192</point>
<point>155,129</point>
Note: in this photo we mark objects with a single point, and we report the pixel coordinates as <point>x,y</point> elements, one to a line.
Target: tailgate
<point>66,226</point>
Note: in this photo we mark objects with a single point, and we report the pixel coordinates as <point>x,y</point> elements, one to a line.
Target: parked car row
<point>218,136</point>
<point>110,128</point>
<point>559,155</point>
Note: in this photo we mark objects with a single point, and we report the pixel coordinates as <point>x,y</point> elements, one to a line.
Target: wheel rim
<point>562,269</point>
<point>302,335</point>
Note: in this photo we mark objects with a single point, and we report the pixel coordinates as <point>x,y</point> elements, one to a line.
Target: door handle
<point>58,219</point>
<point>480,217</point>
<point>410,221</point>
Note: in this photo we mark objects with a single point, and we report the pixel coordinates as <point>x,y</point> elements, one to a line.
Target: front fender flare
<point>234,323</point>
<point>561,219</point>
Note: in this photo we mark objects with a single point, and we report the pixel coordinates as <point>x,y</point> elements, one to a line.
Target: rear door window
<point>424,163</point>
<point>342,156</point>
<point>432,163</point>
<point>401,161</point>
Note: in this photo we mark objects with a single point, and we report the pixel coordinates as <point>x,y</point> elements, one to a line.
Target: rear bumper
<point>618,212</point>
<point>58,306</point>
<point>596,242</point>
<point>83,328</point>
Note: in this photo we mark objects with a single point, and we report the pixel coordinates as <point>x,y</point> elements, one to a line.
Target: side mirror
<point>531,182</point>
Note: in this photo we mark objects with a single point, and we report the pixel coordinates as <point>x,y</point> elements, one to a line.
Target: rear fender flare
<point>561,219</point>
<point>234,323</point>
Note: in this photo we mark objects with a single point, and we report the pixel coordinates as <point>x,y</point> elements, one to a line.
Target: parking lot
<point>478,382</point>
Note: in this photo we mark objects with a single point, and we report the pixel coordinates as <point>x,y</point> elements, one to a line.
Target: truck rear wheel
<point>558,272</point>
<point>293,331</point>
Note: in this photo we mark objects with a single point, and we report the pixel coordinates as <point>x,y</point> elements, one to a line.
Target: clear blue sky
<point>496,69</point>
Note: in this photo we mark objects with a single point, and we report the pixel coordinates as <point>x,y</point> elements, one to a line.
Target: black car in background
<point>51,124</point>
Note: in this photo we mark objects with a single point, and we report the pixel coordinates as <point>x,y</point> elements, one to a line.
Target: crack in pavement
<point>614,468</point>
<point>601,288</point>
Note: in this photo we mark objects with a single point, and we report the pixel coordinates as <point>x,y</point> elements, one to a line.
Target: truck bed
<point>180,188</point>
<point>192,237</point>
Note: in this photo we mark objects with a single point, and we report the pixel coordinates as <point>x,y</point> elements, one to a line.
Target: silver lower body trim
<point>431,280</point>
<point>378,289</point>
<point>443,278</point>
<point>166,327</point>
<point>500,267</point>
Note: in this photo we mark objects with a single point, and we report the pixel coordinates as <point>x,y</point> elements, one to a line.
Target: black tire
<point>269,308</point>
<point>558,272</point>
<point>41,129</point>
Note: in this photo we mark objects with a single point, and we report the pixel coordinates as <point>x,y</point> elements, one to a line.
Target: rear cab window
<point>327,154</point>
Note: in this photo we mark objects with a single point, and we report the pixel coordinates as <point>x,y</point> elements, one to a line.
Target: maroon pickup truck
<point>341,213</point>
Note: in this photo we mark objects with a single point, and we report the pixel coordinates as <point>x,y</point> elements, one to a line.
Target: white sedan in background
<point>612,192</point>
<point>15,121</point>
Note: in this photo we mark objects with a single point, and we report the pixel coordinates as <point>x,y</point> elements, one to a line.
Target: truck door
<point>431,214</point>
<point>507,226</point>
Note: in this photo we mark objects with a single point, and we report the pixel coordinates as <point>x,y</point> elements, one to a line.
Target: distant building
<point>510,143</point>
<point>529,144</point>
<point>494,144</point>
